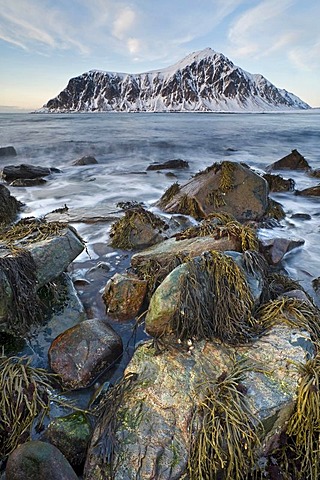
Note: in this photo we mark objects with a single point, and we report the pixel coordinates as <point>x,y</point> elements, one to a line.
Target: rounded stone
<point>37,460</point>
<point>81,353</point>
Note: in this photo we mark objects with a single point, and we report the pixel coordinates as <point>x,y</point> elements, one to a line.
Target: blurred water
<point>125,144</point>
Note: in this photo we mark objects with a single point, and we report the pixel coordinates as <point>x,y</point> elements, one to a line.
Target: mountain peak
<point>204,80</point>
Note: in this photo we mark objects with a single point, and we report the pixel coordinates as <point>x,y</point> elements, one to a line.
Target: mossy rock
<point>159,417</point>
<point>71,435</point>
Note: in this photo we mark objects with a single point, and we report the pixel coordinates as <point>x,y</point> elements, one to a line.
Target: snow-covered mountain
<point>202,81</point>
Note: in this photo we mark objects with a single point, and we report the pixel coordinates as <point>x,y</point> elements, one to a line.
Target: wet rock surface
<point>293,161</point>
<point>170,164</point>
<point>9,206</point>
<point>86,160</point>
<point>80,354</point>
<point>13,172</point>
<point>276,248</point>
<point>227,187</point>
<point>38,460</point>
<point>8,151</point>
<point>71,435</point>
<point>124,295</point>
<point>153,422</point>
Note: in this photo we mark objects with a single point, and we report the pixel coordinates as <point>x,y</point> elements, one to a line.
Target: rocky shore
<point>226,383</point>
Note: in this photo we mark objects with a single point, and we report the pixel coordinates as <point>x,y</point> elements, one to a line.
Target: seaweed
<point>297,452</point>
<point>215,301</point>
<point>23,399</point>
<point>274,210</point>
<point>25,309</point>
<point>106,445</point>
<point>223,225</point>
<point>169,194</point>
<point>190,206</point>
<point>291,311</point>
<point>124,228</point>
<point>280,284</point>
<point>224,430</point>
<point>31,230</point>
<point>154,272</point>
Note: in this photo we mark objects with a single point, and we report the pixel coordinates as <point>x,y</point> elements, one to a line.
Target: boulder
<point>38,460</point>
<point>28,182</point>
<point>301,216</point>
<point>167,251</point>
<point>274,249</point>
<point>170,164</point>
<point>13,172</point>
<point>279,184</point>
<point>137,229</point>
<point>81,353</point>
<point>71,435</point>
<point>293,161</point>
<point>38,263</point>
<point>62,309</point>
<point>228,187</point>
<point>86,160</point>
<point>209,288</point>
<point>124,295</point>
<point>309,192</point>
<point>150,433</point>
<point>7,151</point>
<point>9,206</point>
<point>84,214</point>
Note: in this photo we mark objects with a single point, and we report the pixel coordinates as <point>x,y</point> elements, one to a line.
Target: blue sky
<point>44,43</point>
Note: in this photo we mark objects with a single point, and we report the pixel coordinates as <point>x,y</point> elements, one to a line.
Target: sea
<point>124,145</point>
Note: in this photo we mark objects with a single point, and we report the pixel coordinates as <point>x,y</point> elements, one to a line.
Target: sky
<point>44,43</point>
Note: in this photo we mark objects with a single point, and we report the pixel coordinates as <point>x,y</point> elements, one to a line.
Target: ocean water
<point>125,144</point>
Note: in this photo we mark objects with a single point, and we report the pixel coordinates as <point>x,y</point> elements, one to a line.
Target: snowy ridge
<point>202,81</point>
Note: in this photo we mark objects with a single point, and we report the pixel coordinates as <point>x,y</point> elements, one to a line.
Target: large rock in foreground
<point>227,187</point>
<point>151,438</point>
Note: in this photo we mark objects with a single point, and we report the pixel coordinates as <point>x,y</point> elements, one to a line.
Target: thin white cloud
<point>34,25</point>
<point>123,23</point>
<point>307,57</point>
<point>248,33</point>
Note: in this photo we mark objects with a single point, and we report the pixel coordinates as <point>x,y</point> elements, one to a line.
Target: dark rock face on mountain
<point>202,81</point>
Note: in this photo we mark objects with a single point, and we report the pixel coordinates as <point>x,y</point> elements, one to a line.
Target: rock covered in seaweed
<point>137,229</point>
<point>160,414</point>
<point>206,297</point>
<point>227,187</point>
<point>37,252</point>
<point>83,352</point>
